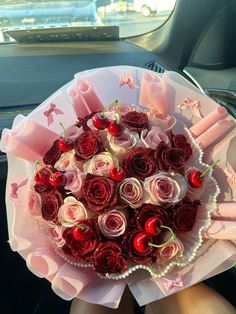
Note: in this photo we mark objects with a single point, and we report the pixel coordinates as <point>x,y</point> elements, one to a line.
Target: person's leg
<point>126,306</point>
<point>198,299</point>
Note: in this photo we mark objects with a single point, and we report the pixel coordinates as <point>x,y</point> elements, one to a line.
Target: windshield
<point>133,17</point>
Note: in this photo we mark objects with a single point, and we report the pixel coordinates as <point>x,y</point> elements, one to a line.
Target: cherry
<point>82,232</point>
<point>117,173</point>
<point>141,242</point>
<point>152,225</point>
<point>42,176</point>
<point>115,128</point>
<point>57,179</point>
<point>195,179</point>
<point>65,145</point>
<point>100,121</point>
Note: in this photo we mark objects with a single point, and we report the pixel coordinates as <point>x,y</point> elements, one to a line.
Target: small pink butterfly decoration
<point>128,80</point>
<point>194,105</point>
<point>230,173</point>
<point>49,113</point>
<point>169,284</point>
<point>15,187</point>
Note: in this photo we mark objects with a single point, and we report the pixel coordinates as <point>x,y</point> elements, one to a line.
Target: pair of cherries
<point>47,176</point>
<point>100,121</point>
<point>143,240</point>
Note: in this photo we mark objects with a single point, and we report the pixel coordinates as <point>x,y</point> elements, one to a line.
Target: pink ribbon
<point>230,173</point>
<point>129,80</point>
<point>169,284</point>
<point>15,187</point>
<point>49,113</point>
<point>194,105</point>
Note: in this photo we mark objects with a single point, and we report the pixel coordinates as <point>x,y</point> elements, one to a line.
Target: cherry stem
<point>64,129</point>
<point>38,163</point>
<point>171,239</point>
<point>116,102</point>
<point>208,168</point>
<point>115,159</point>
<point>119,114</point>
<point>107,107</point>
<point>75,225</point>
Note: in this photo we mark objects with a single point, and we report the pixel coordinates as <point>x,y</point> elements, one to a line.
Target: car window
<point>133,17</point>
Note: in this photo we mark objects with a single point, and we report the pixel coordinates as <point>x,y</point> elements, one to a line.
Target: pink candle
<point>204,124</point>
<point>91,100</point>
<point>214,132</point>
<point>157,96</point>
<point>147,79</point>
<point>77,102</point>
<point>27,139</point>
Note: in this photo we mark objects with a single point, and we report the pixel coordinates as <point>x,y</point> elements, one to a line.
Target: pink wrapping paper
<point>20,141</point>
<point>68,281</point>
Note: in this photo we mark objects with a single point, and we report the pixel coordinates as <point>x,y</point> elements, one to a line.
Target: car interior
<point>197,40</point>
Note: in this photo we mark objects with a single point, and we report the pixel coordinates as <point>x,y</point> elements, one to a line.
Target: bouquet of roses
<point>118,187</point>
<point>116,194</point>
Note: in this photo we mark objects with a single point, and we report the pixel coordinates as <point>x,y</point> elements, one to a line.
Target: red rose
<point>44,188</point>
<point>52,155</point>
<point>50,206</point>
<point>180,141</point>
<point>140,163</point>
<point>81,250</point>
<point>99,193</point>
<point>87,145</point>
<point>132,254</point>
<point>148,210</point>
<point>108,258</point>
<point>184,215</point>
<point>169,158</point>
<point>135,121</point>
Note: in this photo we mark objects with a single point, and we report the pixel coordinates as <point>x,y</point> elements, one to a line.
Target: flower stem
<point>171,239</point>
<point>208,168</point>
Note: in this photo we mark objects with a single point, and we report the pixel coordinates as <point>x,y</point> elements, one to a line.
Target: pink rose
<point>121,145</point>
<point>112,111</point>
<point>99,165</point>
<point>34,204</point>
<point>172,249</point>
<point>163,122</point>
<point>112,223</point>
<point>66,161</point>
<point>131,192</point>
<point>164,188</point>
<point>75,180</point>
<point>154,137</point>
<point>55,233</point>
<point>72,212</point>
